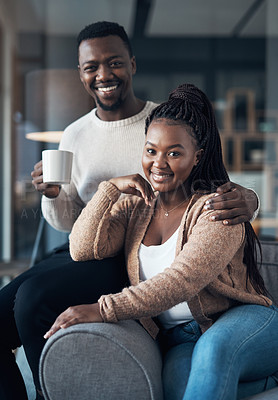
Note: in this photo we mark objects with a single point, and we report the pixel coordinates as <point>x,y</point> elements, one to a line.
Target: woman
<point>193,284</point>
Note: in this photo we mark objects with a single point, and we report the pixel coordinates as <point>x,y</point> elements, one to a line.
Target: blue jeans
<point>233,359</point>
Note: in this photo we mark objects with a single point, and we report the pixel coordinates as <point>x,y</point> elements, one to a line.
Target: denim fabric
<point>183,333</point>
<point>233,359</point>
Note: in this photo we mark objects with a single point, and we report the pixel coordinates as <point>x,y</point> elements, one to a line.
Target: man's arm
<point>233,204</point>
<point>60,206</point>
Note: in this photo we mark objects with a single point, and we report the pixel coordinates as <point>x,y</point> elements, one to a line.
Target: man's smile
<point>107,88</point>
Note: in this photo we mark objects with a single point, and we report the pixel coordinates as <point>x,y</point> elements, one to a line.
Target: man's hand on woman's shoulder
<point>233,204</point>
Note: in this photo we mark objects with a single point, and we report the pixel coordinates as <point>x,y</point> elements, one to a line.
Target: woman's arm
<point>204,257</point>
<point>209,249</point>
<point>98,232</point>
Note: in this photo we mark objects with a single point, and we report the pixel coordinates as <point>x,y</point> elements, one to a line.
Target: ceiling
<point>203,17</point>
<point>68,17</point>
<point>151,18</point>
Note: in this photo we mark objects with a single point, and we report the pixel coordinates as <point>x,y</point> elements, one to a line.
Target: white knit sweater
<point>102,150</point>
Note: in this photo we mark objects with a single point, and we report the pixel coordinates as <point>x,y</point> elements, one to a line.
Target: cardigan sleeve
<point>206,254</point>
<point>99,231</point>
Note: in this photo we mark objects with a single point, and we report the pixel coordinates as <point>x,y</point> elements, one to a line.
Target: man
<point>106,143</point>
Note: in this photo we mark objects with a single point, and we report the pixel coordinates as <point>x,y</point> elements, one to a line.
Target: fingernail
<point>212,218</point>
<point>208,202</point>
<point>226,222</point>
<point>46,335</point>
<point>216,194</point>
<point>207,207</point>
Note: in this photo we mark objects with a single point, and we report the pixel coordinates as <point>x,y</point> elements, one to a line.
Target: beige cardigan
<point>208,271</point>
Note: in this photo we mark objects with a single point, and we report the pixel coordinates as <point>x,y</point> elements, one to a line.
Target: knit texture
<point>208,271</point>
<point>102,150</point>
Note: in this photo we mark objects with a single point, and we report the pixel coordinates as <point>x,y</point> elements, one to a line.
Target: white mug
<point>56,166</point>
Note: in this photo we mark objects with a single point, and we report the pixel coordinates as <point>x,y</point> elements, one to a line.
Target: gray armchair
<point>119,361</point>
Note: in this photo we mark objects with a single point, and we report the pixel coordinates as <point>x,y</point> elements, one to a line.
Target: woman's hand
<point>134,184</point>
<point>75,315</point>
<point>237,203</point>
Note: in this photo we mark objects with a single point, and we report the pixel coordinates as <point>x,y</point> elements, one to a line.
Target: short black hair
<point>103,29</point>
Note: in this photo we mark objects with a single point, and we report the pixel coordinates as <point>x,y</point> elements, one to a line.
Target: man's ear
<point>133,65</point>
<point>198,156</point>
<point>79,70</point>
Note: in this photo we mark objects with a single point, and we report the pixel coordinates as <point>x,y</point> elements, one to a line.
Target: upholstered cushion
<point>101,361</point>
<point>269,268</point>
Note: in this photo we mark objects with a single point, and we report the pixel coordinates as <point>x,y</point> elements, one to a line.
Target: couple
<point>32,302</point>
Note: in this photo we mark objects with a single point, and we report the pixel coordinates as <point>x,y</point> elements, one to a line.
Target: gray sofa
<point>119,361</point>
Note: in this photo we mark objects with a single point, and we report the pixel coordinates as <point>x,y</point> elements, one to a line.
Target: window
<point>228,49</point>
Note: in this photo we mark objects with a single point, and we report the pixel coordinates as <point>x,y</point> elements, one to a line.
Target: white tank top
<point>153,260</point>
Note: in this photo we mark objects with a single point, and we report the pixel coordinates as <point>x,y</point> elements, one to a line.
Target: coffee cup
<point>56,166</point>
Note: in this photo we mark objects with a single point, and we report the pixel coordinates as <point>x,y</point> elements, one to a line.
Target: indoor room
<point>227,49</point>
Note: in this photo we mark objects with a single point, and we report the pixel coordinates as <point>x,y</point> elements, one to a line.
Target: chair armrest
<point>101,361</point>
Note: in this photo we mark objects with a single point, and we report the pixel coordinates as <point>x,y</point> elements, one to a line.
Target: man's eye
<point>90,68</point>
<point>150,151</point>
<point>115,64</point>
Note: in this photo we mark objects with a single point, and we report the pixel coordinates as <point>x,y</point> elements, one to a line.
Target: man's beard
<point>113,107</point>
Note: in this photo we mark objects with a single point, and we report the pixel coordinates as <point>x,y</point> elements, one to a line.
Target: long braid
<point>190,106</point>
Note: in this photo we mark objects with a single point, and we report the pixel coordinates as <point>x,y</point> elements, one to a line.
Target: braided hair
<point>188,105</point>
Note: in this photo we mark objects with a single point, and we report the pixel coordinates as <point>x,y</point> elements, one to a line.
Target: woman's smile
<point>160,177</point>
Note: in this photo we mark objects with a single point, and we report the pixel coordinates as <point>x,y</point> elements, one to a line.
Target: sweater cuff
<point>106,309</point>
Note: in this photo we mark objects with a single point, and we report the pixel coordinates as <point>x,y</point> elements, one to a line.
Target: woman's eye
<point>174,154</point>
<point>150,151</point>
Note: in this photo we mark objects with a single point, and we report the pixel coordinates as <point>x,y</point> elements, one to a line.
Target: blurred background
<point>227,48</point>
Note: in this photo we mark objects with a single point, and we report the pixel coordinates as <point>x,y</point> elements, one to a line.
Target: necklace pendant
<point>166,214</point>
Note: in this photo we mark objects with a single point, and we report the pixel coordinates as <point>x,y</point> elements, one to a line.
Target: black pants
<point>31,302</point>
